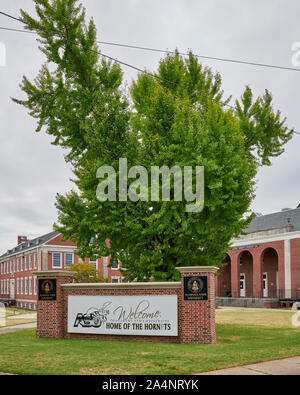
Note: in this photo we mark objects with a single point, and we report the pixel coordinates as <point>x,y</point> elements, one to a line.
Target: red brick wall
<point>58,241</point>
<point>295,264</point>
<point>196,319</point>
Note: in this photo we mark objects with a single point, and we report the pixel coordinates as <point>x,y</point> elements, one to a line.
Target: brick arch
<point>245,265</point>
<point>269,259</point>
<point>223,285</point>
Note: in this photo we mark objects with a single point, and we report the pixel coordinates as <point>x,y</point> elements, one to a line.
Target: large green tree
<point>177,116</point>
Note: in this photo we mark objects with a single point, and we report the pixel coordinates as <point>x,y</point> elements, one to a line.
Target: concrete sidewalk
<point>14,328</point>
<point>286,366</point>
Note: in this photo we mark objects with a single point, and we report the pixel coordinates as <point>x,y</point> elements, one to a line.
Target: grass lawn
<point>270,318</point>
<point>263,337</point>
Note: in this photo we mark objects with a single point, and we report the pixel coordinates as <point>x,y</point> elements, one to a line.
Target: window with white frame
<point>25,262</point>
<point>56,259</point>
<point>21,285</point>
<point>26,285</point>
<point>35,286</point>
<point>115,279</point>
<point>21,264</point>
<point>30,286</point>
<point>115,264</point>
<point>18,286</point>
<point>69,258</point>
<point>35,261</point>
<point>30,262</point>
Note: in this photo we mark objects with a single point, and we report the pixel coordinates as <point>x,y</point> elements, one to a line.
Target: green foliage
<point>178,118</point>
<point>86,273</point>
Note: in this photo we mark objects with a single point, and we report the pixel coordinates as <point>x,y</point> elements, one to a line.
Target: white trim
<point>197,269</point>
<point>266,288</point>
<point>26,300</point>
<point>116,268</point>
<point>34,285</point>
<point>287,268</point>
<point>116,278</point>
<point>151,285</point>
<point>58,248</point>
<point>265,239</point>
<point>30,286</point>
<point>244,285</point>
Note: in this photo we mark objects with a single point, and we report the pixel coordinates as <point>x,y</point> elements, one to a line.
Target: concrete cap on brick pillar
<point>197,269</point>
<point>54,273</point>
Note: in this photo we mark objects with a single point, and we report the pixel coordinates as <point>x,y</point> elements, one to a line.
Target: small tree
<point>86,273</point>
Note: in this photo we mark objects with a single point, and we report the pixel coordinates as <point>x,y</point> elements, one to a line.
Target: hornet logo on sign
<point>94,317</point>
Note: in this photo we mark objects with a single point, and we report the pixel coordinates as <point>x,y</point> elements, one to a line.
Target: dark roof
<point>27,245</point>
<point>276,220</point>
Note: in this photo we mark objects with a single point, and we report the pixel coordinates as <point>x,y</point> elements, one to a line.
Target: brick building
<point>265,263</point>
<point>262,265</point>
<point>18,284</point>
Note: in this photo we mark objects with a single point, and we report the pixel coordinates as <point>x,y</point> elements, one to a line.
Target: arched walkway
<point>224,279</point>
<point>246,274</point>
<point>270,273</point>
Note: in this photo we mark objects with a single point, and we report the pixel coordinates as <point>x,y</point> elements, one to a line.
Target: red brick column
<point>197,317</point>
<point>257,274</point>
<point>50,312</point>
<point>235,273</point>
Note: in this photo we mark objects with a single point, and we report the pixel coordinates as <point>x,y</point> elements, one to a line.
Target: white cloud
<point>33,171</point>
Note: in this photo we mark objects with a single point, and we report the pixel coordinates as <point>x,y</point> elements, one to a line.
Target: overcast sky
<point>32,170</point>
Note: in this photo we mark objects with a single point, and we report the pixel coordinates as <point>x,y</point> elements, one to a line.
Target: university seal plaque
<point>47,289</point>
<point>195,288</point>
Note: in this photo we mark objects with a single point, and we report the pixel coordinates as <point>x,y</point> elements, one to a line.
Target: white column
<point>105,268</point>
<point>287,268</point>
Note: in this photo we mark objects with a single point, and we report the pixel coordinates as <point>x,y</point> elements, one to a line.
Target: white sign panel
<point>123,315</point>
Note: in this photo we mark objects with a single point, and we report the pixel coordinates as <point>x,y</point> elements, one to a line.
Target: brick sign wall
<point>172,312</point>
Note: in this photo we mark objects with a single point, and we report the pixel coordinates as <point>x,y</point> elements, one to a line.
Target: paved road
<point>286,366</point>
